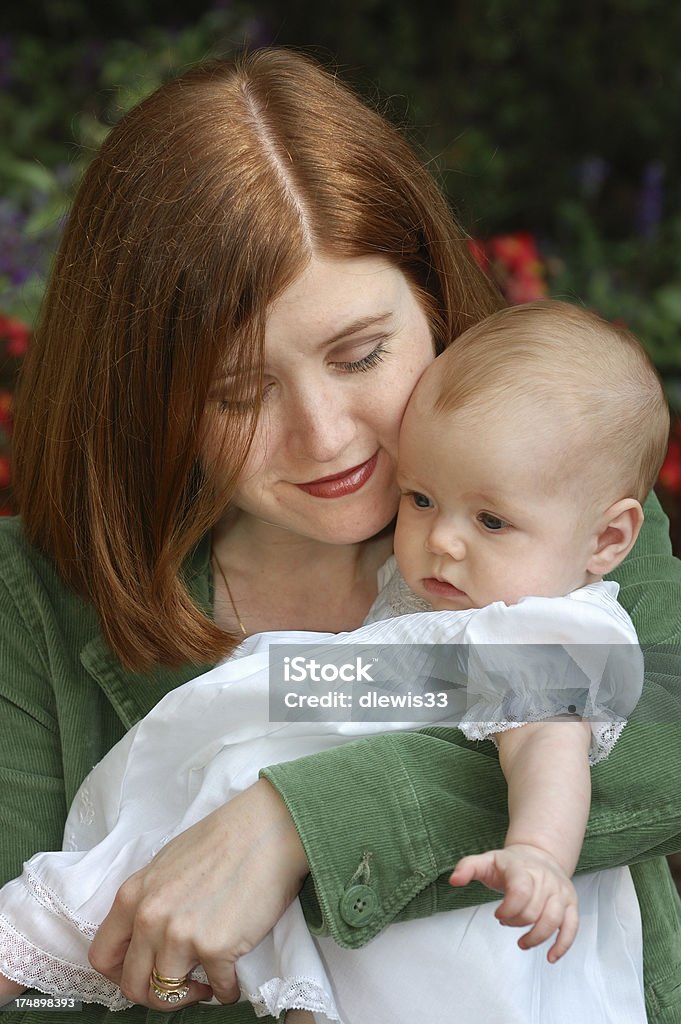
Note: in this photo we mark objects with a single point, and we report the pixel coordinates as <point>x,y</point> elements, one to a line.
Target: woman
<point>256,272</point>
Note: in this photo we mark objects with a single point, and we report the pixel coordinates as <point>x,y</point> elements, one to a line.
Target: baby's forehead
<point>521,411</point>
<point>522,441</point>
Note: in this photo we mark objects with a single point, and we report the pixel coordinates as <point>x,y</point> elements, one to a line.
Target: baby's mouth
<point>441,588</point>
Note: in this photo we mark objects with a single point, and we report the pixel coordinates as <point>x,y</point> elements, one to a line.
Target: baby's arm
<point>549,791</point>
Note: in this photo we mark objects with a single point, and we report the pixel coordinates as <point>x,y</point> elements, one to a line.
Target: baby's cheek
<point>405,541</point>
<point>405,558</point>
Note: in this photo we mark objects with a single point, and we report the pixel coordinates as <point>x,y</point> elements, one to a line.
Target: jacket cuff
<point>374,856</point>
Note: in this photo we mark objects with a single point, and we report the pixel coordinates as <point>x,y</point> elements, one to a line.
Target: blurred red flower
<point>15,334</point>
<point>670,474</point>
<point>515,263</point>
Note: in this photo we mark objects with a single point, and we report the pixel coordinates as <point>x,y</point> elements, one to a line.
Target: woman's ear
<point>623,521</point>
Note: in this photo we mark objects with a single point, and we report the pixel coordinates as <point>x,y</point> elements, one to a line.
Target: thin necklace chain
<point>229,594</point>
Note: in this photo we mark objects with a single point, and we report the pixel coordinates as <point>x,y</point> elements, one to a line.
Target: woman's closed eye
<point>491,522</point>
<point>367,362</point>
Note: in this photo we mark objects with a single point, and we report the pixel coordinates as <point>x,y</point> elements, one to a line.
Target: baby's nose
<point>443,539</point>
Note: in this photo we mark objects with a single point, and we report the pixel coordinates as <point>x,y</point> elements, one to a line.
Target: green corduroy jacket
<point>416,802</point>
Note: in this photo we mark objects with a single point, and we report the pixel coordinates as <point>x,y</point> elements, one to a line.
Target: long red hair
<point>202,205</point>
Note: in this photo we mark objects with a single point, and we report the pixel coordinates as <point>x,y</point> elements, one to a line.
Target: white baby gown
<point>206,741</point>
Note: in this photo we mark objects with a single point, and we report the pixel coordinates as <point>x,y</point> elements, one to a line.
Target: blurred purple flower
<point>651,199</point>
<point>22,257</point>
<point>19,275</point>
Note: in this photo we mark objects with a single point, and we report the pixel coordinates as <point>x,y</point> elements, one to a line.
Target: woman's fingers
<point>164,943</point>
<point>170,987</point>
<point>208,897</point>
<point>222,974</point>
<point>176,998</point>
<point>110,946</point>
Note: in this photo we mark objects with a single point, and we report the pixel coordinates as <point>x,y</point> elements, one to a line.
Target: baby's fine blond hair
<point>572,363</point>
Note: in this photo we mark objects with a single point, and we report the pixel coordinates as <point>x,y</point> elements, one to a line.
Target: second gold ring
<point>169,990</point>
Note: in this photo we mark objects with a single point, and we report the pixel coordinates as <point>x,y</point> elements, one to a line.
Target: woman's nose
<point>444,539</point>
<point>321,424</point>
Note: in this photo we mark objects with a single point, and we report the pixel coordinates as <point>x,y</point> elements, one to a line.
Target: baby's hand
<point>9,990</point>
<point>537,891</point>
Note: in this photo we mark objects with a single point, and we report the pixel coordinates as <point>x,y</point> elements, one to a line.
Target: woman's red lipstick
<point>340,484</point>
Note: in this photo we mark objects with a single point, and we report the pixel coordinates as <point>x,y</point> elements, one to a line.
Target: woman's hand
<point>207,898</point>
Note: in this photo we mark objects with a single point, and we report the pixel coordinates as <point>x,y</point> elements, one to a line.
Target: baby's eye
<point>421,501</point>
<point>492,522</point>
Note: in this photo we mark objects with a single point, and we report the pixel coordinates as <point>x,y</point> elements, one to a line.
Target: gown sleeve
<point>546,657</point>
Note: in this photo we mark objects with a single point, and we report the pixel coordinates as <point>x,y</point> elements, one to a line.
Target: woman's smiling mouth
<point>339,484</point>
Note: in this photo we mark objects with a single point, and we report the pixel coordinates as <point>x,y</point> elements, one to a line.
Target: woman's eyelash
<point>367,362</point>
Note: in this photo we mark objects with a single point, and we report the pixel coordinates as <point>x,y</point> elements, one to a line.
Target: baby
<point>526,451</point>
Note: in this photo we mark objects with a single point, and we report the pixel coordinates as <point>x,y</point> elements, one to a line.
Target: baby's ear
<point>623,521</point>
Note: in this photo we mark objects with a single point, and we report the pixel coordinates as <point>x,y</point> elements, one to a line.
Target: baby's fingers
<point>479,866</point>
<point>566,935</point>
<point>555,915</point>
<point>523,902</point>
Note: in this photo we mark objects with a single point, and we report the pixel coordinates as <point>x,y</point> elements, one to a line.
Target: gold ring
<point>174,995</point>
<point>168,990</point>
<point>159,979</point>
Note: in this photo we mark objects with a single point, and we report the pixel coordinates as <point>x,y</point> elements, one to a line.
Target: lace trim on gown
<point>279,994</point>
<point>23,962</point>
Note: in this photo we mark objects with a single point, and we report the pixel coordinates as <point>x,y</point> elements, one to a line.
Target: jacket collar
<point>132,694</point>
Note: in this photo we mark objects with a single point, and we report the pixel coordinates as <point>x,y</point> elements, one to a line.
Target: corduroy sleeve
<point>392,814</point>
<point>32,808</point>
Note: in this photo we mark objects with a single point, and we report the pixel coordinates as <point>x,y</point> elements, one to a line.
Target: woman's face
<point>344,346</point>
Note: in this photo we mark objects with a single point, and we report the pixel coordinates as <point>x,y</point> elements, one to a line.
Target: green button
<point>358,905</point>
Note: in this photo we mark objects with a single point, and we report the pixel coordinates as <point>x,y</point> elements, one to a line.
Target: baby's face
<point>483,515</point>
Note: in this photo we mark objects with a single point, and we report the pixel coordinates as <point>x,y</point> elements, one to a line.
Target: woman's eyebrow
<point>355,326</point>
